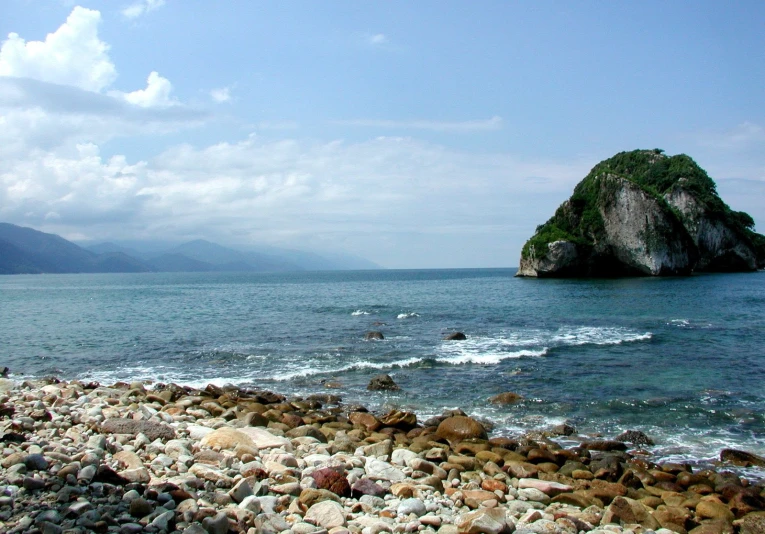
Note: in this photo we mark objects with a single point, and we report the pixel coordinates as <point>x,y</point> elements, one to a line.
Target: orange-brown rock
<point>491,484</point>
<point>399,419</point>
<point>505,398</point>
<point>459,427</point>
<point>365,420</point>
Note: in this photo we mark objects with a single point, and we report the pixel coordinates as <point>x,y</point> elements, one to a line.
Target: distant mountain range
<point>28,251</point>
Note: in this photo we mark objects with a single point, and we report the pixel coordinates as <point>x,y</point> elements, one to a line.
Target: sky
<point>428,134</point>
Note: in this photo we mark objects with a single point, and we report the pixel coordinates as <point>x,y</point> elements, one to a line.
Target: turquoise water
<point>681,359</point>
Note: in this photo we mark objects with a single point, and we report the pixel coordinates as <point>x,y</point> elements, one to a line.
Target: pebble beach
<point>128,458</point>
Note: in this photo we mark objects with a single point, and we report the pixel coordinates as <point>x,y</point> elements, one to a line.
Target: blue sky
<point>415,134</point>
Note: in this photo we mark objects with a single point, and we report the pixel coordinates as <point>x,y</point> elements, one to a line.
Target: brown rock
<point>505,398</point>
<point>227,438</point>
<point>375,335</point>
<point>753,523</point>
<point>623,510</point>
<point>365,420</point>
<point>713,510</point>
<point>310,496</point>
<point>604,445</point>
<point>717,526</point>
<point>382,383</point>
<point>399,419</point>
<point>459,427</point>
<point>741,458</point>
<point>491,484</point>
<point>332,480</point>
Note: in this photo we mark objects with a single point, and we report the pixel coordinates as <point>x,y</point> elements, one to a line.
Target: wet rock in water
<point>636,437</point>
<point>150,429</point>
<point>459,428</point>
<point>374,335</point>
<point>455,336</point>
<point>505,398</point>
<point>741,458</point>
<point>382,383</point>
<point>605,445</point>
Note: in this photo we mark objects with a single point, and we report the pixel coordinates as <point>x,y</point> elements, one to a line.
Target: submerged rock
<point>382,383</point>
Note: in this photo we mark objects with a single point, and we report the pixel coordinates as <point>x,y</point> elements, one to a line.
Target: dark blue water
<point>681,359</point>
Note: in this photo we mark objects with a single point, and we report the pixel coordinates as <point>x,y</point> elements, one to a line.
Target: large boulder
<point>459,427</point>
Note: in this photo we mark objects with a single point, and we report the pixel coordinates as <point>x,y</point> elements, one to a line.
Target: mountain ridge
<point>24,250</point>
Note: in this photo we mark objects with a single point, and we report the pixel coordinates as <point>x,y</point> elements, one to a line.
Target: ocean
<point>681,359</point>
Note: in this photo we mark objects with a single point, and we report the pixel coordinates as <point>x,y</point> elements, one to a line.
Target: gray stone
<point>150,429</point>
<point>240,491</point>
<point>33,484</point>
<point>36,462</point>
<point>87,473</point>
<point>52,516</point>
<point>251,503</point>
<point>217,524</point>
<point>131,528</point>
<point>411,506</point>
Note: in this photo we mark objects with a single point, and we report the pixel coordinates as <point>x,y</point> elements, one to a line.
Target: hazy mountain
<point>218,255</point>
<point>25,250</point>
<point>28,251</point>
<point>14,260</point>
<point>178,263</point>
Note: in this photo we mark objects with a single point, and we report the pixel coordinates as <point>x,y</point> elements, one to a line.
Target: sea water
<point>681,359</point>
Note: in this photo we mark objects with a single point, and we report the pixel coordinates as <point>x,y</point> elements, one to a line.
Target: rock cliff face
<point>642,213</point>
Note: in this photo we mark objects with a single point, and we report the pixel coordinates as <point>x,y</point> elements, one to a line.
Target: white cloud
<point>494,123</point>
<point>320,193</point>
<point>141,7</point>
<point>72,55</point>
<point>156,94</point>
<point>221,95</point>
<point>377,39</point>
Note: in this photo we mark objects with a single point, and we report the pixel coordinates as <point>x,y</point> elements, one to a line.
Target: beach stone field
<point>129,458</point>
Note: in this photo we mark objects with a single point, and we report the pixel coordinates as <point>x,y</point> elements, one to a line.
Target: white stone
<point>379,470</point>
<point>403,456</point>
<point>327,514</point>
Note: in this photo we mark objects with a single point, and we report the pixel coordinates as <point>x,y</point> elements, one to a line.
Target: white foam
<point>407,315</point>
<point>488,358</point>
<point>355,366</point>
<point>361,312</point>
<point>586,335</point>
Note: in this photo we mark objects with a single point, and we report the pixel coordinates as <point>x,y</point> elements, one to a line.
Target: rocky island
<point>643,213</point>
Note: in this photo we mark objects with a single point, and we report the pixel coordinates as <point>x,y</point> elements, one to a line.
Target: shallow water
<point>681,359</point>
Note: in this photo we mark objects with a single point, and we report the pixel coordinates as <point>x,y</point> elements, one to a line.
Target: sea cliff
<point>643,213</point>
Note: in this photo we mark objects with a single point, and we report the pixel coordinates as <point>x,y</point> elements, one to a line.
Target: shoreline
<point>87,457</point>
